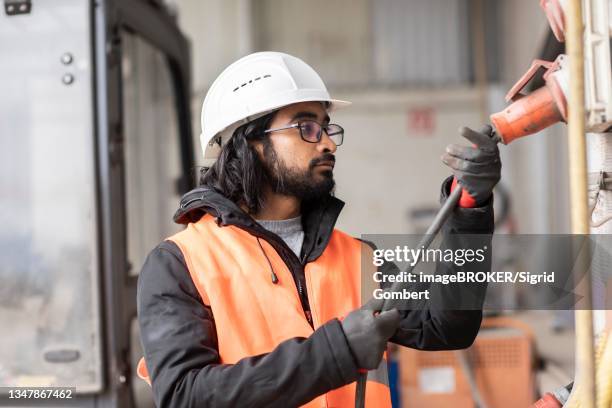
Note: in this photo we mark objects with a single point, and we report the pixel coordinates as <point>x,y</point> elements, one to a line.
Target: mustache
<point>327,157</point>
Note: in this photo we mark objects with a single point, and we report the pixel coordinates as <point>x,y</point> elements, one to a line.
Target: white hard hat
<point>252,87</point>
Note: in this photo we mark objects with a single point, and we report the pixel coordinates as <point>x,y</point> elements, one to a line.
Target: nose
<point>326,144</point>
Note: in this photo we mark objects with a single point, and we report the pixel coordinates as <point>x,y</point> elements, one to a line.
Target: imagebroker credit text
<point>469,277</point>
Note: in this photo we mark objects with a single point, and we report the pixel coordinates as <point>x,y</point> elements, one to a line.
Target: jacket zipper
<point>295,266</point>
<point>299,276</point>
<point>304,296</point>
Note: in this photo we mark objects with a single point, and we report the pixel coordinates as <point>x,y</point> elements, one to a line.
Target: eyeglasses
<point>311,131</point>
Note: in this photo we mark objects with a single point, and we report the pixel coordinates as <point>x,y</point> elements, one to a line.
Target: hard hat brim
<point>337,104</point>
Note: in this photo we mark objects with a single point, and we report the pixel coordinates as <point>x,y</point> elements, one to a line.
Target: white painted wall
<point>214,29</point>
<point>384,168</point>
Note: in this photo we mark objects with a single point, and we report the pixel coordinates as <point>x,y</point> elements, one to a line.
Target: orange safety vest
<point>253,315</point>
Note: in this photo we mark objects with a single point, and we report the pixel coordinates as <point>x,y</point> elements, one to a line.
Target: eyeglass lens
<point>312,132</point>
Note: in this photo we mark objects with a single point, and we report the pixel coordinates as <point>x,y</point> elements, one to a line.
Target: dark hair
<point>238,174</point>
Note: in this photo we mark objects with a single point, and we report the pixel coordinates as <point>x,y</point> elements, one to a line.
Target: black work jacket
<point>178,330</point>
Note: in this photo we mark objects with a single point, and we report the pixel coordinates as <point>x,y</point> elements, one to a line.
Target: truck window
<point>151,148</point>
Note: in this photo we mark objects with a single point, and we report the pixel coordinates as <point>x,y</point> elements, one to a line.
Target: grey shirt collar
<point>291,231</point>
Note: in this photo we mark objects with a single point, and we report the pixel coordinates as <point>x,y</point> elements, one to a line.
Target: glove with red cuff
<point>477,168</point>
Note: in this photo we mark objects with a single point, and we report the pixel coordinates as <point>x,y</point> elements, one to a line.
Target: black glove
<point>477,168</point>
<point>367,333</point>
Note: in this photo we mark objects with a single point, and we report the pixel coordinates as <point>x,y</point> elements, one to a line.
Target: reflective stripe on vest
<point>253,315</point>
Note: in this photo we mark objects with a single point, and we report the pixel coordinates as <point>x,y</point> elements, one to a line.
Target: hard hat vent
<point>251,81</point>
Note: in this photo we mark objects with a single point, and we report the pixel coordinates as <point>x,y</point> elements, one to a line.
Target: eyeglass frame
<point>299,124</point>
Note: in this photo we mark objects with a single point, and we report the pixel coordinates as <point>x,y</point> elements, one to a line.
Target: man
<point>243,307</point>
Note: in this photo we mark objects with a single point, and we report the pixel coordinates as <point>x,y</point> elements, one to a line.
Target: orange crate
<point>501,360</point>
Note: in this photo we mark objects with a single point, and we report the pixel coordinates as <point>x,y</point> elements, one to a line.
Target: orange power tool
<point>542,108</point>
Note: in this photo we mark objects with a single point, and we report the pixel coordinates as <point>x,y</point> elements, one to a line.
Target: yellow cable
<point>603,366</point>
<point>603,363</point>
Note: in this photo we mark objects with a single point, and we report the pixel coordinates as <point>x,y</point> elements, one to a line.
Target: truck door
<point>95,148</point>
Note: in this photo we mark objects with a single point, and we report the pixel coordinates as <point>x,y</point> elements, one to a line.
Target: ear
<point>258,146</point>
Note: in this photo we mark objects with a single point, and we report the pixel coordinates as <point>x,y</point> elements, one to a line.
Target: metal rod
<point>360,391</point>
<point>430,234</point>
<point>578,199</point>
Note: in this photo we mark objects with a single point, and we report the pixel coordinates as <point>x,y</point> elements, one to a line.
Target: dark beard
<point>291,182</point>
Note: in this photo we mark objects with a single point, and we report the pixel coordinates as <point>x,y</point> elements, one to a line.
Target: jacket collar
<point>318,219</point>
